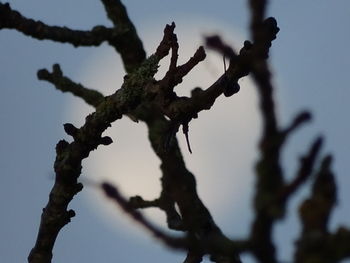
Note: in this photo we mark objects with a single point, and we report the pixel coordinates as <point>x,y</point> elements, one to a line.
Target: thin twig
<point>113,193</point>
<point>65,84</point>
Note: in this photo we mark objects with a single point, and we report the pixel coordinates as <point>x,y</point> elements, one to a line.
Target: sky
<point>310,61</point>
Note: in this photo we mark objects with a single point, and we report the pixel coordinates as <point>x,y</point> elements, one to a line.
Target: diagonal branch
<point>68,163</point>
<point>113,193</point>
<point>165,203</point>
<point>315,211</point>
<point>64,84</point>
<point>300,119</point>
<point>177,182</point>
<point>316,243</point>
<point>307,163</point>
<point>117,13</point>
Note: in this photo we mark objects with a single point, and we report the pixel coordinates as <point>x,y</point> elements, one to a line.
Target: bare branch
<point>70,155</point>
<point>113,193</point>
<point>184,69</point>
<point>216,43</point>
<point>193,257</point>
<point>268,169</point>
<point>123,38</point>
<point>129,46</point>
<point>142,97</point>
<point>64,84</point>
<point>340,243</point>
<point>117,13</point>
<point>307,163</point>
<point>179,184</point>
<point>12,19</point>
<point>176,73</point>
<point>167,42</point>
<point>165,203</point>
<point>316,243</point>
<point>300,119</point>
<point>315,211</point>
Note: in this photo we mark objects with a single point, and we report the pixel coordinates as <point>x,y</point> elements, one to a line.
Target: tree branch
<point>64,84</point>
<point>307,163</point>
<point>172,242</point>
<point>130,46</point>
<point>179,184</point>
<point>123,37</point>
<point>300,119</point>
<point>70,155</point>
<point>315,243</point>
<point>315,211</point>
<point>165,203</point>
<point>193,257</point>
<point>12,19</point>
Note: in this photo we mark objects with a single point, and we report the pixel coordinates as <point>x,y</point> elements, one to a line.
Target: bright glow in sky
<point>223,172</point>
<point>310,60</point>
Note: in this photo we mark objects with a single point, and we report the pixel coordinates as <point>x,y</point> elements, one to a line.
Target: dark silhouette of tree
<point>155,102</point>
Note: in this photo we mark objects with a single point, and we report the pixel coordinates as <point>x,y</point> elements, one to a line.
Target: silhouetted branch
<point>300,119</point>
<point>146,99</point>
<point>167,42</point>
<point>113,193</point>
<point>64,84</point>
<point>340,243</point>
<point>215,42</point>
<point>12,19</point>
<point>315,211</point>
<point>183,243</point>
<point>307,163</point>
<point>70,155</point>
<point>178,185</point>
<point>165,203</point>
<point>123,37</point>
<point>129,46</point>
<point>193,257</point>
<point>315,242</point>
<point>176,73</point>
<point>137,202</point>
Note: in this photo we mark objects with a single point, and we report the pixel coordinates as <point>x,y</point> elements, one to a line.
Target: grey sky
<point>310,58</point>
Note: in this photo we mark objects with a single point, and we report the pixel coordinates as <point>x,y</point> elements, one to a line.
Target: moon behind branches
<point>223,139</point>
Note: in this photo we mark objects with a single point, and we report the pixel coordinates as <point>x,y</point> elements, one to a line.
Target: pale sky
<point>311,62</point>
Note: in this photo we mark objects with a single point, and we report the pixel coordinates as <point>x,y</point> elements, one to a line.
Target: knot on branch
<point>230,87</point>
<point>165,45</point>
<point>71,130</point>
<point>270,25</point>
<point>264,36</point>
<point>106,140</point>
<point>61,146</point>
<point>69,214</point>
<point>44,74</point>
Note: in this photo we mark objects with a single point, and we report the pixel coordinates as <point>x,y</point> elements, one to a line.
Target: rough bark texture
<point>148,100</point>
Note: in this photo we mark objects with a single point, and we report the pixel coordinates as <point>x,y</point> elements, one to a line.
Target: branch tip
<point>61,146</point>
<point>70,129</point>
<point>106,140</point>
<point>42,74</point>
